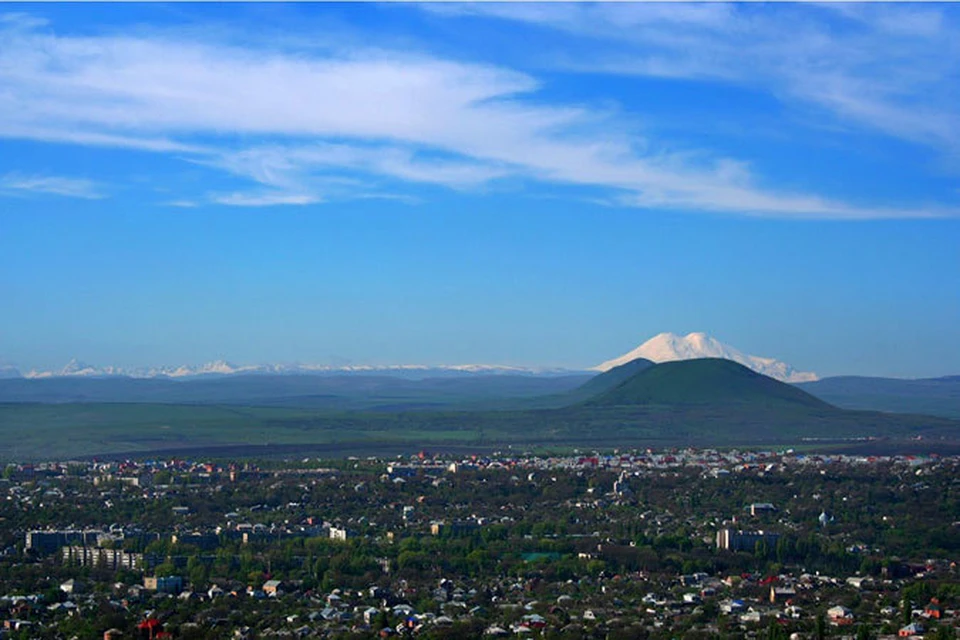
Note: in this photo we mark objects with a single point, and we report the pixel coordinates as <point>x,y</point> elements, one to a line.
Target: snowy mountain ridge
<point>667,347</point>
<point>664,347</point>
<point>76,368</point>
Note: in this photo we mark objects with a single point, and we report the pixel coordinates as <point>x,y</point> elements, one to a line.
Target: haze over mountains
<point>470,387</point>
<point>929,396</point>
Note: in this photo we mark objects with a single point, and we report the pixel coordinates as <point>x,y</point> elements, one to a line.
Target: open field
<point>31,431</point>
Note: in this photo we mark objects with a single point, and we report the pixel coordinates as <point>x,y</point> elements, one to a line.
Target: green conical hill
<point>707,381</point>
<point>613,378</point>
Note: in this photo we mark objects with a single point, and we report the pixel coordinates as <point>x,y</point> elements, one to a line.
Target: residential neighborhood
<point>625,544</point>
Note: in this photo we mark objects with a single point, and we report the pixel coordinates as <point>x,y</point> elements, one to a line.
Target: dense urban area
<point>627,544</point>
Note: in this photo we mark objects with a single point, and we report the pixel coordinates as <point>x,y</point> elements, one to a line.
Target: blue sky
<point>530,184</point>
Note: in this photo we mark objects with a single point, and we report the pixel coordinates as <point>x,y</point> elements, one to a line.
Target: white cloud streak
<point>20,184</point>
<point>182,204</point>
<point>317,120</point>
<point>264,199</point>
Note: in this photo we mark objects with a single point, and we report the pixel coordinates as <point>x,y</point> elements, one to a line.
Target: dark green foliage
<point>945,632</point>
<point>613,378</point>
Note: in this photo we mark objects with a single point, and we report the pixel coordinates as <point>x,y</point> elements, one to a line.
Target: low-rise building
<point>164,584</point>
<point>104,558</point>
<point>734,540</point>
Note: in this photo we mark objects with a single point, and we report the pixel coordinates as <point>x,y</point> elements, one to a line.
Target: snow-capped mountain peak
<point>666,347</point>
<point>217,366</point>
<point>75,367</point>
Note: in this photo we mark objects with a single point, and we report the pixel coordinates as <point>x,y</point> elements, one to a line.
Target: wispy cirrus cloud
<point>21,184</point>
<point>292,167</point>
<point>884,67</point>
<point>305,127</point>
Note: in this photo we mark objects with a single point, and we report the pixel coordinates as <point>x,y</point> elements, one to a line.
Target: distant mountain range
<point>665,347</point>
<point>930,396</point>
<point>78,369</point>
<point>423,387</point>
<point>701,402</point>
<point>346,391</point>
